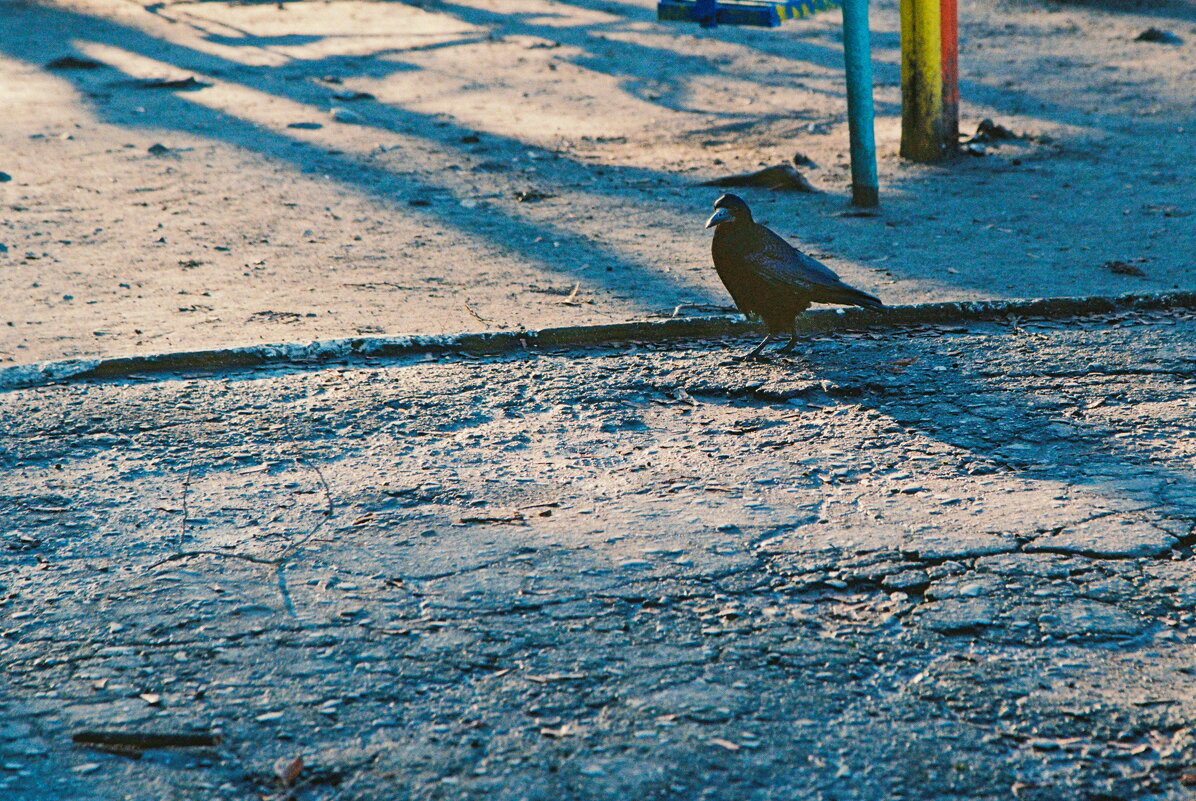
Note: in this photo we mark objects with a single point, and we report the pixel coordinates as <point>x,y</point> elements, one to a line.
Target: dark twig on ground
<point>145,739</point>
<point>474,313</point>
<point>186,488</point>
<point>782,177</point>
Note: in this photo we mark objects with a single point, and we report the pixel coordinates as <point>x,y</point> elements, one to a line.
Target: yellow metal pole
<point>921,80</point>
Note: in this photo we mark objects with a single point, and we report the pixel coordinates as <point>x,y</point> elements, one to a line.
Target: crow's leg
<point>756,351</point>
<point>792,339</point>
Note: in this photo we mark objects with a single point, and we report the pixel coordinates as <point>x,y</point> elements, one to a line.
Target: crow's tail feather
<point>850,296</point>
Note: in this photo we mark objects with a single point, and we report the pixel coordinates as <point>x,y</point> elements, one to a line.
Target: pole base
<point>865,196</point>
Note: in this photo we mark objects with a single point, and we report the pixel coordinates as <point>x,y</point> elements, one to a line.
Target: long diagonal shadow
<point>808,47</point>
<point>511,232</point>
<point>167,109</point>
<point>632,61</point>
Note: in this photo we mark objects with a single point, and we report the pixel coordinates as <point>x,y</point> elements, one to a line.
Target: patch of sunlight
<point>260,35</point>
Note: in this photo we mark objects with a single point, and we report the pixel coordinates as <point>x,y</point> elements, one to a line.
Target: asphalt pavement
<point>940,562</point>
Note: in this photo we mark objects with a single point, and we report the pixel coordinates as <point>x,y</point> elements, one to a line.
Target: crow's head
<point>729,208</point>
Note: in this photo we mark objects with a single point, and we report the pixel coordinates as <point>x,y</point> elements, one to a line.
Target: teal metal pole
<point>857,53</point>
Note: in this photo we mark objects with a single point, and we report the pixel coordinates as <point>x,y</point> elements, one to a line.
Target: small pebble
<point>346,116</point>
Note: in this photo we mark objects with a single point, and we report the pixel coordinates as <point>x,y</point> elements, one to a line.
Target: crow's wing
<point>778,262</point>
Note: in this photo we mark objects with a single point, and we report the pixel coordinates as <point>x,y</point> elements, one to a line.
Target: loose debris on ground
<point>1124,268</point>
<point>1158,36</point>
<point>779,178</point>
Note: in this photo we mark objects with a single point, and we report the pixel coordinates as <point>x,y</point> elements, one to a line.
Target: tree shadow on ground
<point>1035,407</point>
<point>407,613</point>
<point>631,63</point>
<point>165,110</point>
<point>1177,10</point>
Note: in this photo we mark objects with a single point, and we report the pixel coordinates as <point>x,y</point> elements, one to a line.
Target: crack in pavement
<point>885,524</point>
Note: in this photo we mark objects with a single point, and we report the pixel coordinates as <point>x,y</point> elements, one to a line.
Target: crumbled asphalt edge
<point>688,328</point>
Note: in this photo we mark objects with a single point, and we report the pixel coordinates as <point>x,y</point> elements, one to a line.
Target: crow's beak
<point>720,216</point>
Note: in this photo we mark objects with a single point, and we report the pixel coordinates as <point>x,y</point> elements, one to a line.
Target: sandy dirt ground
<point>940,564</point>
<point>529,163</point>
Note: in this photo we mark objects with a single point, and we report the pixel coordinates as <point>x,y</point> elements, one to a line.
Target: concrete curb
<point>689,328</point>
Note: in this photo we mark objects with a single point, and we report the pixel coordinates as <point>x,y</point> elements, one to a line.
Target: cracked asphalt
<point>937,563</point>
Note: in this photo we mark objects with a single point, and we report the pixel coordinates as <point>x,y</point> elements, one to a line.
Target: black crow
<point>769,277</point>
